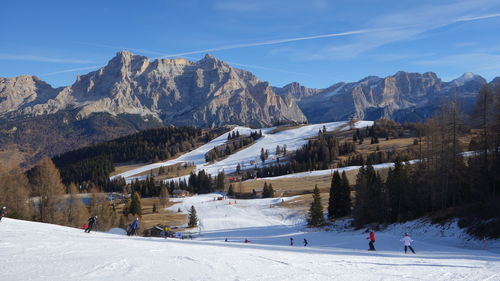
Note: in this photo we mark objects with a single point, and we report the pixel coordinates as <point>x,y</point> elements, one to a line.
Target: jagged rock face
<point>374,97</point>
<point>204,93</point>
<point>296,91</point>
<point>23,91</point>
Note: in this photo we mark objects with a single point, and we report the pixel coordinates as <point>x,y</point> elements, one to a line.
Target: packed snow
<point>37,251</point>
<point>294,138</point>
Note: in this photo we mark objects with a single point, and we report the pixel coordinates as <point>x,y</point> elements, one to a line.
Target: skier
<point>134,226</point>
<point>291,241</point>
<point>372,240</point>
<point>3,212</point>
<point>246,240</point>
<point>92,221</point>
<point>305,242</point>
<point>407,241</point>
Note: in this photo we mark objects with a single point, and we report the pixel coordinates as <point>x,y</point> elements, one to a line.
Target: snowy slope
<point>35,251</point>
<point>293,138</point>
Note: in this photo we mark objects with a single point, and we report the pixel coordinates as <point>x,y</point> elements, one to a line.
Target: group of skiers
<point>406,241</point>
<point>305,241</point>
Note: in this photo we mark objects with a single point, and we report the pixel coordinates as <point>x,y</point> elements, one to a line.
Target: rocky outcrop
<point>204,93</point>
<point>394,97</point>
<point>23,91</point>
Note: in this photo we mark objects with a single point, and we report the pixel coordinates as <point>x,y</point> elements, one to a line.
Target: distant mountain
<point>132,93</point>
<point>206,93</point>
<point>402,97</point>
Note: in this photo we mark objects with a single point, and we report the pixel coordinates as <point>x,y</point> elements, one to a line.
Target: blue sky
<point>314,42</point>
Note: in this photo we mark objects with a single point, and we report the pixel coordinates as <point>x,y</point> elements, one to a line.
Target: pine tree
<point>135,207</point>
<point>193,219</point>
<point>345,202</point>
<point>334,199</point>
<point>270,191</point>
<point>230,191</point>
<point>316,217</point>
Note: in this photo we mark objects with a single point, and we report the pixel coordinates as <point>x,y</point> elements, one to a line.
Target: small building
<point>180,193</point>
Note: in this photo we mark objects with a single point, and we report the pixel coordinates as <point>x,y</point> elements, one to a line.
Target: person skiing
<point>134,226</point>
<point>407,242</point>
<point>305,242</point>
<point>291,241</point>
<point>92,221</point>
<point>3,212</point>
<point>372,241</point>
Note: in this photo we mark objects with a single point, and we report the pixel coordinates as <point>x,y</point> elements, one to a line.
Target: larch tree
<point>77,213</point>
<point>14,193</point>
<point>46,184</point>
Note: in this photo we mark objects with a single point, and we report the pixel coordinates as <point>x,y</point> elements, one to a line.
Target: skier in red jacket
<point>372,240</point>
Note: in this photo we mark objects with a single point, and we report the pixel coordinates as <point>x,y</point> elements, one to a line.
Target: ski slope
<point>293,138</point>
<point>36,251</point>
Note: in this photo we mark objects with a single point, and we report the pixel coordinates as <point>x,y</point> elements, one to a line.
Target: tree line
<point>234,143</point>
<point>445,181</point>
<point>95,163</point>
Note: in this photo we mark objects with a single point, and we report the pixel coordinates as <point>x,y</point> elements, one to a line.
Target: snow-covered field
<point>36,251</point>
<point>293,138</point>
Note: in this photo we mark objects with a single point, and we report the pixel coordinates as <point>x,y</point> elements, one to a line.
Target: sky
<point>314,42</point>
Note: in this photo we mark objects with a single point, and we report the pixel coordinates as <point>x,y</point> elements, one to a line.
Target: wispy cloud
<point>42,59</point>
<point>268,68</point>
<point>245,6</point>
<point>69,70</point>
<point>403,26</point>
<point>271,42</point>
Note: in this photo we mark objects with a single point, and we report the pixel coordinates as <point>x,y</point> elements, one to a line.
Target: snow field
<point>37,251</point>
<point>293,138</point>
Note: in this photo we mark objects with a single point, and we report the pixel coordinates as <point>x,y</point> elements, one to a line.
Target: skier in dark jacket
<point>291,241</point>
<point>133,227</point>
<point>3,212</point>
<point>305,242</point>
<point>92,221</point>
<point>372,240</point>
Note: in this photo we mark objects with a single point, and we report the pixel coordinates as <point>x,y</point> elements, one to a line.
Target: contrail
<point>477,17</point>
<point>69,70</point>
<point>271,42</point>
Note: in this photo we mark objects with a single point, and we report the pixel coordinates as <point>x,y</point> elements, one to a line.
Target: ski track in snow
<point>37,251</point>
<point>293,138</point>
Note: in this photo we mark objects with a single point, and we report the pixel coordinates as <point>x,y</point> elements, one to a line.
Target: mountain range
<point>132,93</point>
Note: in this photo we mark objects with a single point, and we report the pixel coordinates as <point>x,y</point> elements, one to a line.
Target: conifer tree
<point>316,217</point>
<point>335,196</point>
<point>47,185</point>
<point>77,212</point>
<point>230,191</point>
<point>164,196</point>
<point>193,218</point>
<point>345,209</point>
<point>15,193</point>
<point>135,207</point>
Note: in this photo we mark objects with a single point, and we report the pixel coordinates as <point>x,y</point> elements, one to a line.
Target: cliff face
<point>204,93</point>
<point>403,96</point>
